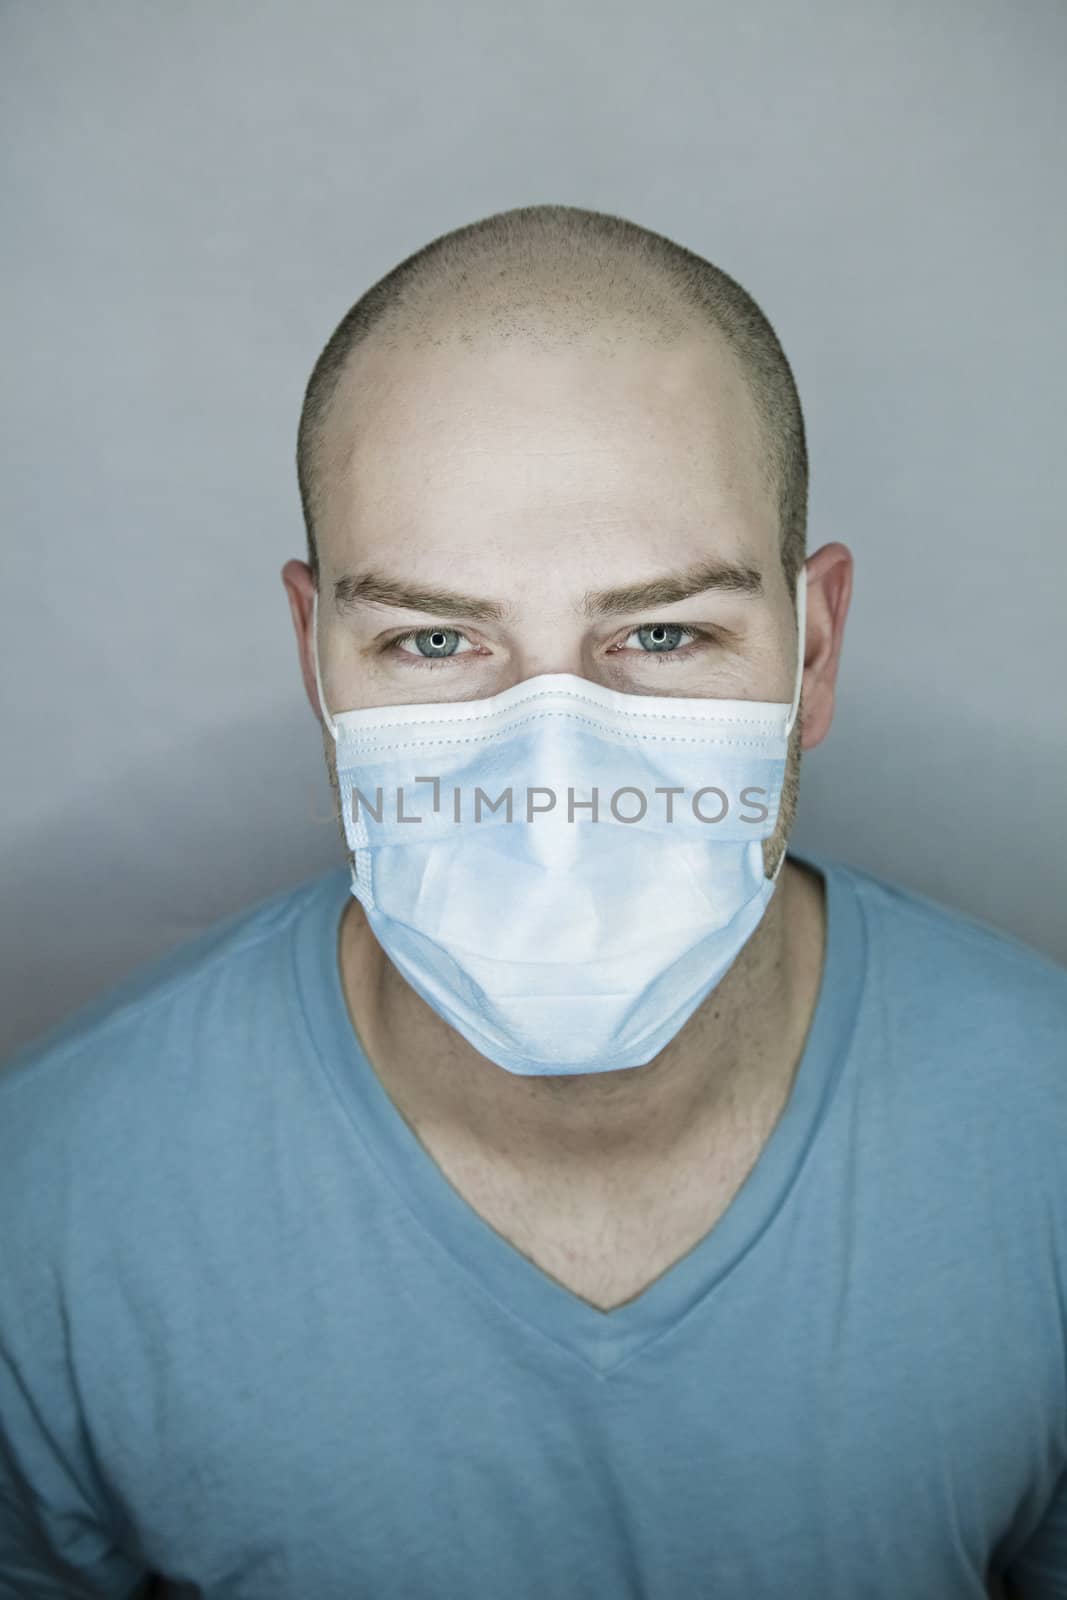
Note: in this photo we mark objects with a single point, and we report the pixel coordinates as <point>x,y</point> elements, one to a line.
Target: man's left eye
<point>661,637</point>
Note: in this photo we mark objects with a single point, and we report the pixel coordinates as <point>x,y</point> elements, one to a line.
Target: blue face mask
<point>561,871</point>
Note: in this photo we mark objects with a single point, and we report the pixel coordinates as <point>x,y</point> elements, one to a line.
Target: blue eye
<point>432,642</point>
<point>658,637</point>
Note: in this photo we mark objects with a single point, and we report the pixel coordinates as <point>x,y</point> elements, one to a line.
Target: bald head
<point>550,278</point>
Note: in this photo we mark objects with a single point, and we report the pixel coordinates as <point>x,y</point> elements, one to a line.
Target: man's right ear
<point>299,581</point>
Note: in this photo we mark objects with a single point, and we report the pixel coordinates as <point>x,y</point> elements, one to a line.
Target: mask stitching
<point>356,738</point>
<point>450,713</point>
<point>644,738</point>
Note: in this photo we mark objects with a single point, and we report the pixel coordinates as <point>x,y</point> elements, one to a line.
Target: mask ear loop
<point>802,618</point>
<point>326,717</point>
<point>360,884</point>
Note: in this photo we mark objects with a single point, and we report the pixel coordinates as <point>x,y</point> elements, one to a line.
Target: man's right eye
<point>431,644</point>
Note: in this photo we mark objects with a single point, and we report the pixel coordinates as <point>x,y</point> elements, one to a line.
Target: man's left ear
<point>829,590</point>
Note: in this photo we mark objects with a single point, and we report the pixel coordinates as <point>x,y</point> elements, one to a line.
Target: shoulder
<point>77,1090</point>
<point>950,991</point>
<point>956,954</point>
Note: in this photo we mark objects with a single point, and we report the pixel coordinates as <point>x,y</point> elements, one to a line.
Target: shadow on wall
<point>134,866</point>
<point>913,792</point>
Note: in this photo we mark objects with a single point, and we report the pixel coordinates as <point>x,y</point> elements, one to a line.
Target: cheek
<point>766,669</point>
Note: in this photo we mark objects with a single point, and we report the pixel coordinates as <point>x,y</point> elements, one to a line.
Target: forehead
<point>497,434</point>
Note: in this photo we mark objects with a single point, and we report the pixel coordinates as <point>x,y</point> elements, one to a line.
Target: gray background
<point>193,195</point>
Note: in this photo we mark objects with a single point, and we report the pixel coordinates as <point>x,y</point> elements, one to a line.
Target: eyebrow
<point>728,577</point>
<point>374,588</point>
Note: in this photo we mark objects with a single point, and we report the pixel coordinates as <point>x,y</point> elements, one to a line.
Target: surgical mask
<point>564,872</point>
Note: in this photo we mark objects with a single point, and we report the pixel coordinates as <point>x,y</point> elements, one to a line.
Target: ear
<point>300,586</point>
<point>829,582</point>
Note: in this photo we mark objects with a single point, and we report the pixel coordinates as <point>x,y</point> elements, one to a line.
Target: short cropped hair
<point>515,273</point>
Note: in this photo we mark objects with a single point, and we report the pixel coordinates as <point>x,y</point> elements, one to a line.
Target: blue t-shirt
<point>252,1339</point>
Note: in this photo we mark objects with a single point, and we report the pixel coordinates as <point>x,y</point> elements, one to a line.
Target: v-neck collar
<point>602,1339</point>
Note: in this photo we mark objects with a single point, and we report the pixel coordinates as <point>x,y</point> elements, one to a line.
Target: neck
<point>741,1046</point>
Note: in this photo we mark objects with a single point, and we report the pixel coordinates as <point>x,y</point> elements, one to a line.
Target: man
<point>567,1204</point>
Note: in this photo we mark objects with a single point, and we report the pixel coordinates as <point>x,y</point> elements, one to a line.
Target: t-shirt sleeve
<point>53,1545</point>
<point>1039,1570</point>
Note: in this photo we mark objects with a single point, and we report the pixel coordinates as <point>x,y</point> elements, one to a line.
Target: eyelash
<point>661,657</point>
